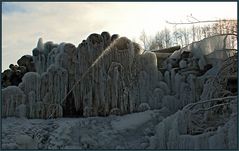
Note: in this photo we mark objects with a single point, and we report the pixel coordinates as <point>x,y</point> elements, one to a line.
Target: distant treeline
<point>185,35</point>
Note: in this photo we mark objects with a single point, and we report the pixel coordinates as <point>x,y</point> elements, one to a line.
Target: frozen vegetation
<point>121,98</point>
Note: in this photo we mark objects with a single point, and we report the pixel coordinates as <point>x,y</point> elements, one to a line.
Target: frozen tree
<point>167,38</point>
<point>144,38</point>
<point>159,39</point>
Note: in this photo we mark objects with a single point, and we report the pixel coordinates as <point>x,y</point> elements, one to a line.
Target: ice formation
<point>101,75</point>
<point>110,75</point>
<point>12,98</point>
<point>198,128</point>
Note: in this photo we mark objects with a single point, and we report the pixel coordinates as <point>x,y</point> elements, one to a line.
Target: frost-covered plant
<point>143,107</point>
<point>115,111</point>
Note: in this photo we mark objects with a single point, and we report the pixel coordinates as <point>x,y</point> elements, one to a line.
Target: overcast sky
<point>23,23</point>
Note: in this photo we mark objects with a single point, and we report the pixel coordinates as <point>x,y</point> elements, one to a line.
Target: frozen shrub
<point>115,111</point>
<point>143,107</point>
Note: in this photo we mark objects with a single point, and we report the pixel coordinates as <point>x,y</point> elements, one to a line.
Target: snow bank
<point>132,121</point>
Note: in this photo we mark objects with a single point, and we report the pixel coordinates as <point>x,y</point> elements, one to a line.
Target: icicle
<point>167,79</point>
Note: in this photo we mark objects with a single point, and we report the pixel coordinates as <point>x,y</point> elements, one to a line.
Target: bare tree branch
<point>190,106</point>
<point>198,22</point>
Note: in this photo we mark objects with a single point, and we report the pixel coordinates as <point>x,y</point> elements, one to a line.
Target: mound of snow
<point>132,121</point>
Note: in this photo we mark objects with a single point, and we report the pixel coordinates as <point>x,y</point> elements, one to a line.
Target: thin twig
<point>190,106</point>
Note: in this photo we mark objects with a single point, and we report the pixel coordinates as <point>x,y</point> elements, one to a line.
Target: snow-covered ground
<point>128,131</point>
<point>143,130</point>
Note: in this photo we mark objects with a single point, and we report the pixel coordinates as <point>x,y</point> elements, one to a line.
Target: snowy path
<point>114,132</point>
